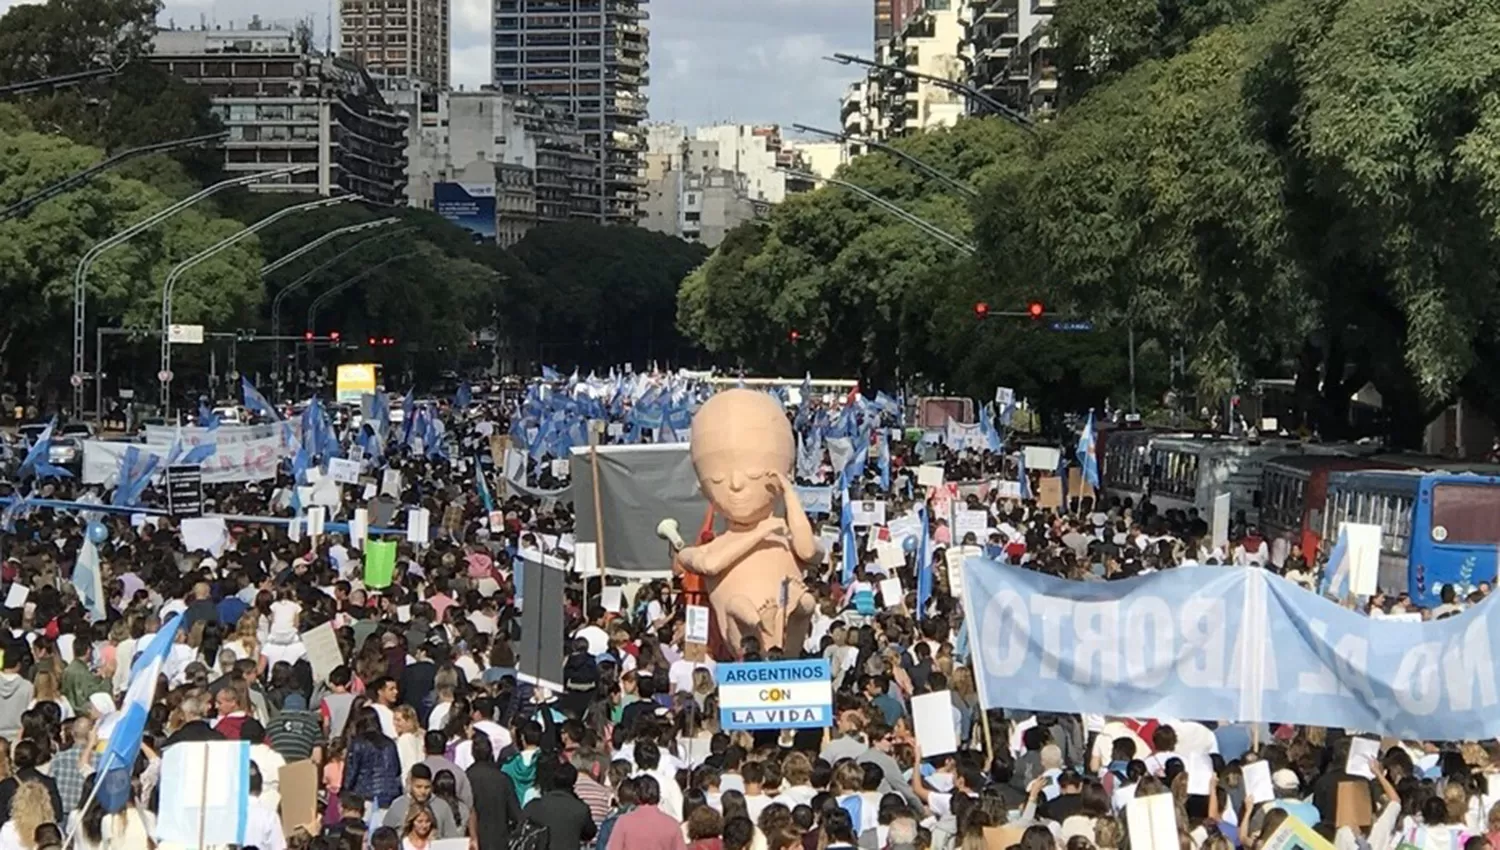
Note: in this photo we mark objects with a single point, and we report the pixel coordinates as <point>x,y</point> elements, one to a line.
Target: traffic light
<point>307,335</point>
<point>794,335</point>
<point>374,342</point>
<point>981,310</point>
<point>1035,309</point>
<point>333,335</point>
<point>390,340</point>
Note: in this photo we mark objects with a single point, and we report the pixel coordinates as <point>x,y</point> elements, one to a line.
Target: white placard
<point>1008,489</point>
<point>613,599</point>
<point>1219,520</point>
<point>315,519</point>
<point>1041,458</point>
<point>890,555</point>
<point>1152,822</point>
<point>1004,396</point>
<point>586,558</point>
<point>867,512</point>
<point>1361,750</point>
<point>16,596</point>
<point>930,475</point>
<point>208,533</point>
<point>904,527</point>
<point>359,527</point>
<point>697,624</point>
<point>417,522</point>
<point>368,493</point>
<point>932,723</point>
<point>343,471</point>
<point>955,557</point>
<point>1364,557</point>
<point>403,613</point>
<point>891,594</point>
<point>1257,779</point>
<point>497,521</point>
<point>390,483</point>
<point>1200,771</point>
<point>561,467</point>
<point>966,521</point>
<point>294,529</point>
<point>323,652</point>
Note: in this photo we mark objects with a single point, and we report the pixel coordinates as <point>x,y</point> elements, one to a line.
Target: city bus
<point>1189,472</point>
<point>1294,492</point>
<point>1438,527</point>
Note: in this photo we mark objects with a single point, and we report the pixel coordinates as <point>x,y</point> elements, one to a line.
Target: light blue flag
<point>464,397</point>
<point>255,402</point>
<point>37,462</point>
<point>846,532</point>
<point>1335,580</point>
<point>483,487</point>
<point>88,581</point>
<point>550,374</point>
<point>987,429</point>
<point>884,448</point>
<point>924,565</point>
<point>117,763</point>
<point>1087,455</point>
<point>183,820</point>
<point>1025,481</point>
<point>206,416</point>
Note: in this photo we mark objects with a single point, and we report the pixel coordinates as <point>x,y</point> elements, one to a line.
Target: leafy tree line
<point>572,293</point>
<point>1303,188</point>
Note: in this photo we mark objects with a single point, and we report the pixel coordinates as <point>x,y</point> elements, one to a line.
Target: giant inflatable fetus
<point>742,452</point>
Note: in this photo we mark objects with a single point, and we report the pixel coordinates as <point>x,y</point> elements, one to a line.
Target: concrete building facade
<point>284,105</point>
<point>399,42</point>
<point>587,58</point>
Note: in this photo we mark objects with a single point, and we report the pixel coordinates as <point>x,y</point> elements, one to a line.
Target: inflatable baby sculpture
<point>742,452</point>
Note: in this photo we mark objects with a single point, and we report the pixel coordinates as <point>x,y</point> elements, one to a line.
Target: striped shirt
<point>594,795</point>
<point>293,734</point>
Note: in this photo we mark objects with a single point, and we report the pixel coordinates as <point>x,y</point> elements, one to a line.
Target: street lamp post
<point>26,205</point>
<point>297,284</point>
<point>80,275</point>
<point>165,375</point>
<point>962,187</point>
<point>993,105</point>
<point>916,221</point>
<point>323,297</point>
<point>324,239</point>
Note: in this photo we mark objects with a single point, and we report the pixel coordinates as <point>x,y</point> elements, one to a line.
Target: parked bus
<point>1189,472</point>
<point>1294,493</point>
<point>1438,527</point>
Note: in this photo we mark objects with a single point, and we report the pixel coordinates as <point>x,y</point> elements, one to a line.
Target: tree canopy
<point>1274,187</point>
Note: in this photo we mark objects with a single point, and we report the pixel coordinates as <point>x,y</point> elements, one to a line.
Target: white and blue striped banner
<point>775,694</point>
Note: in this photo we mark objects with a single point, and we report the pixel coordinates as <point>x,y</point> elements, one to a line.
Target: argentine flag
<point>124,742</point>
<point>1086,456</point>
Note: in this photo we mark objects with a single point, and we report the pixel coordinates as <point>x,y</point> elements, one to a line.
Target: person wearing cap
<point>1286,785</point>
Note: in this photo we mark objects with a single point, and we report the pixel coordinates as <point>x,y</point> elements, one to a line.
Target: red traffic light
<point>307,335</point>
<point>374,342</point>
<point>794,335</point>
<point>1035,309</point>
<point>390,340</point>
<point>333,335</point>
<point>981,310</point>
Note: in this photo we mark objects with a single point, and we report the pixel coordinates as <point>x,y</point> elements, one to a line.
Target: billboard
<point>468,205</point>
<point>352,381</point>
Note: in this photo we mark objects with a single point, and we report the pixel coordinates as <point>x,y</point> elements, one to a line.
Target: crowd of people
<point>425,735</point>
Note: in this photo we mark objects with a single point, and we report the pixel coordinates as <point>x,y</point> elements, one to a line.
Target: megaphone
<point>668,530</point>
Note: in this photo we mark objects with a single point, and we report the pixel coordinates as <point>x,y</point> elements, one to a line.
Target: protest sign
<point>697,624</point>
<point>185,490</point>
<point>930,475</point>
<point>343,471</point>
<point>775,695</point>
<point>816,500</point>
<point>380,563</point>
<point>323,653</point>
<point>224,435</point>
<point>966,522</point>
<point>1232,643</point>
<point>236,463</point>
<point>204,793</point>
<point>868,512</point>
<point>299,794</point>
<point>932,723</point>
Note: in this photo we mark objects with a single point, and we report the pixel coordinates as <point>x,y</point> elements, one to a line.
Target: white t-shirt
<point>597,639</point>
<point>680,674</point>
<point>284,619</point>
<point>387,720</point>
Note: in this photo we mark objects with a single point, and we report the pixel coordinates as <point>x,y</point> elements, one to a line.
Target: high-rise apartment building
<point>589,58</point>
<point>399,42</point>
<point>882,20</point>
<point>1012,54</point>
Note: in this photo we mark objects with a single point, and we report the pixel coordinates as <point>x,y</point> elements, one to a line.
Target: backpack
<point>530,836</point>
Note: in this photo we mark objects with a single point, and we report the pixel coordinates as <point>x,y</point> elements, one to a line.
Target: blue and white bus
<point>1439,528</point>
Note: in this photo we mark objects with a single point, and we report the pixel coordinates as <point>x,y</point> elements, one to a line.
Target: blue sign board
<point>775,694</point>
<point>468,205</point>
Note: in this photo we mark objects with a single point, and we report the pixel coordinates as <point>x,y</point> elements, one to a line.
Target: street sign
<point>76,380</point>
<point>165,376</point>
<point>185,490</point>
<point>775,695</point>
<point>1074,326</point>
<point>185,334</point>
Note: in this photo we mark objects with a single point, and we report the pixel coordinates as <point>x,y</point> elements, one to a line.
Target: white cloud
<point>471,66</point>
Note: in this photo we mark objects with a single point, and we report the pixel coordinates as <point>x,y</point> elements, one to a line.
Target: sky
<point>712,61</point>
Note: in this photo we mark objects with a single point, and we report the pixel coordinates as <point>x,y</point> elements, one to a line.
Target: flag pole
<point>93,792</point>
<point>598,523</point>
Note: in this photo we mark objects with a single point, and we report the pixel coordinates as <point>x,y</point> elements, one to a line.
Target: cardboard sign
<point>299,794</point>
<point>323,653</point>
<point>418,522</point>
<point>1353,806</point>
<point>932,723</point>
<point>380,564</point>
<point>1152,822</point>
<point>930,475</point>
<point>1050,493</point>
<point>892,596</point>
<point>390,483</point>
<point>1293,834</point>
<point>1041,458</point>
<point>868,513</point>
<point>966,522</point>
<point>891,556</point>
